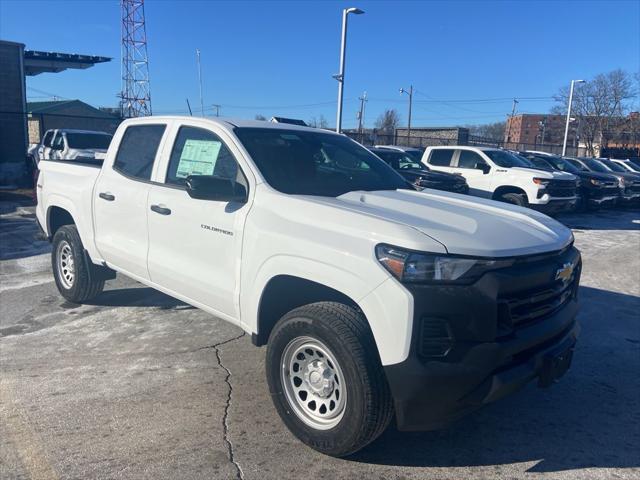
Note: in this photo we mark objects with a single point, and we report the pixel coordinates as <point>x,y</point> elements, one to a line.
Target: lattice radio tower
<point>135,98</point>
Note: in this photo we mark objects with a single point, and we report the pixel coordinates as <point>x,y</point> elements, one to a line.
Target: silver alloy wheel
<point>66,264</point>
<point>313,383</point>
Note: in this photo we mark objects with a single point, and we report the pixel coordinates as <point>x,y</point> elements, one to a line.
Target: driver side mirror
<point>483,166</point>
<point>207,187</point>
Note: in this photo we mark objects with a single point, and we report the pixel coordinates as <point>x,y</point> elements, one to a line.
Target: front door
<point>469,163</point>
<point>195,245</point>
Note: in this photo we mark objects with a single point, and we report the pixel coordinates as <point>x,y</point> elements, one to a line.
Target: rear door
<point>195,245</point>
<point>467,163</point>
<point>442,159</point>
<point>120,199</point>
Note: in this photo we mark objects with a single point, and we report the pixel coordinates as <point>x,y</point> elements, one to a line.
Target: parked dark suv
<point>420,175</point>
<point>595,189</point>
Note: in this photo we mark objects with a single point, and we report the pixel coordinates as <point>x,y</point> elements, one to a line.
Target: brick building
<point>537,129</point>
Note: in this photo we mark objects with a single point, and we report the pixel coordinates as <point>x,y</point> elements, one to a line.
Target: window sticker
<point>198,157</point>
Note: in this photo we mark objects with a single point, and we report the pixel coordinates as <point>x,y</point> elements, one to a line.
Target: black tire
<point>519,199</point>
<point>368,406</point>
<point>85,284</point>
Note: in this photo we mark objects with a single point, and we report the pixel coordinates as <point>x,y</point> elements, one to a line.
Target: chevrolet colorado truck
<point>374,299</point>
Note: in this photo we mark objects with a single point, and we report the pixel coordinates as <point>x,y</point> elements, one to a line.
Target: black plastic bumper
<point>556,206</point>
<point>486,356</point>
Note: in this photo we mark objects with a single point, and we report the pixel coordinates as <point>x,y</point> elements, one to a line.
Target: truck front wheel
<point>519,199</point>
<point>326,379</point>
<point>76,280</point>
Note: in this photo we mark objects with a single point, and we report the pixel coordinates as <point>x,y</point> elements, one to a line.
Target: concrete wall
<point>13,124</point>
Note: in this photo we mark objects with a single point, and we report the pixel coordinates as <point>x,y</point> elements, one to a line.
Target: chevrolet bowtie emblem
<point>565,273</point>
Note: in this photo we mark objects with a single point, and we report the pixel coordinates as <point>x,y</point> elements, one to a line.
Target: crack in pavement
<point>225,426</point>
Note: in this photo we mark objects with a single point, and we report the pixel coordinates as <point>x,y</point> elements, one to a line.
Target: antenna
<point>135,98</point>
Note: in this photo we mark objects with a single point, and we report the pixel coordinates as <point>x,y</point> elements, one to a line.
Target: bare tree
<point>388,121</point>
<point>599,106</point>
<point>493,131</point>
<point>260,117</point>
<point>319,122</point>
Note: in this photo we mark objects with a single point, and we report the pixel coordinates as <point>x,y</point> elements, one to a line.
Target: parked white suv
<point>375,300</point>
<point>501,175</point>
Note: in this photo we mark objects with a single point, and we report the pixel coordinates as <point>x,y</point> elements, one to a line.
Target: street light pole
<point>200,81</point>
<point>566,127</point>
<point>343,52</point>
<point>410,93</point>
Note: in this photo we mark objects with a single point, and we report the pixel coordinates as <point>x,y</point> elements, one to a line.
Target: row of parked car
<point>538,180</point>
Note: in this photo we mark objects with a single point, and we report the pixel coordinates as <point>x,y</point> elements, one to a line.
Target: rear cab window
<point>137,151</point>
<point>441,157</point>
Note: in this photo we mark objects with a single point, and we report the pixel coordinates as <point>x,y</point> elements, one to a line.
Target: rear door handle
<point>161,210</point>
<point>107,196</point>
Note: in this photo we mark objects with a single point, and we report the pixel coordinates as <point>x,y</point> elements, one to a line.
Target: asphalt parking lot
<point>139,385</point>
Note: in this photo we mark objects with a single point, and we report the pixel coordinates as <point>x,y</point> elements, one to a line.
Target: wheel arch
<point>283,293</point>
<point>504,189</point>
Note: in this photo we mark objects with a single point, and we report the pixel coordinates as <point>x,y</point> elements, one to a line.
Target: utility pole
<point>410,93</point>
<point>363,101</point>
<point>200,81</point>
<point>566,127</point>
<point>543,124</point>
<point>217,107</point>
<point>513,112</point>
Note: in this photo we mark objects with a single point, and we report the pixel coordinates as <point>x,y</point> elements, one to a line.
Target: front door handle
<point>107,196</point>
<point>161,210</point>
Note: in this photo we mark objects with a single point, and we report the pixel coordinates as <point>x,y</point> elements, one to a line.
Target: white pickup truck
<point>507,177</point>
<point>67,144</point>
<point>372,298</point>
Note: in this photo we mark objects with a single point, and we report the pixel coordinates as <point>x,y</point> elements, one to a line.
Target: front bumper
<point>629,199</point>
<point>486,356</point>
<point>556,205</point>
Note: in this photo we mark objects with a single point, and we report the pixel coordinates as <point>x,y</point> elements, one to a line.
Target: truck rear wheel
<point>76,280</point>
<point>326,379</point>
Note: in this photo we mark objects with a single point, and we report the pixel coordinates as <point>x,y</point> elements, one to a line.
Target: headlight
<point>595,182</point>
<point>541,181</point>
<point>621,182</point>
<point>417,267</point>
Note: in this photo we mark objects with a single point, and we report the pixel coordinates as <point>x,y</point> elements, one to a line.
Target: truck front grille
<point>561,188</point>
<point>525,308</point>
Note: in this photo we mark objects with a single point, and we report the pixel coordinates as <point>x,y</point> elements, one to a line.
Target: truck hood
<point>464,225</point>
<point>555,174</point>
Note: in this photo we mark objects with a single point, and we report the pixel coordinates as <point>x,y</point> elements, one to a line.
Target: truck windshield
<point>614,166</point>
<point>314,163</point>
<point>399,160</point>
<point>595,165</point>
<point>506,159</point>
<point>562,164</point>
<point>88,140</point>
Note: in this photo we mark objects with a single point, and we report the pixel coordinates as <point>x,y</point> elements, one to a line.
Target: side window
<point>137,150</point>
<point>441,157</point>
<point>47,139</point>
<point>197,151</point>
<point>468,159</point>
<point>57,141</point>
